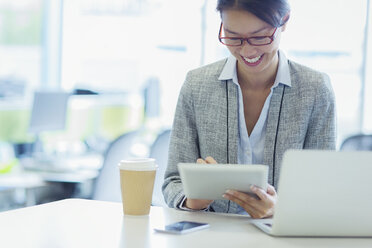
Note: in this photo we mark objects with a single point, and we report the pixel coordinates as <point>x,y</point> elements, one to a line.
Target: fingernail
<point>253,188</point>
<point>229,192</point>
<point>226,196</point>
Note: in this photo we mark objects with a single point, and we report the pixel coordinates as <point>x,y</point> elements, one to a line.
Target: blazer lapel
<point>271,129</point>
<point>232,122</point>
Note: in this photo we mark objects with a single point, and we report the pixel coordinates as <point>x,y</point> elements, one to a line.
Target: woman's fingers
<point>257,208</point>
<point>260,193</point>
<point>253,211</point>
<point>271,190</point>
<point>208,160</point>
<point>200,161</point>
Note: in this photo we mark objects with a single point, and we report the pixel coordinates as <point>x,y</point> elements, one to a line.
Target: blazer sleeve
<point>321,132</point>
<point>183,145</point>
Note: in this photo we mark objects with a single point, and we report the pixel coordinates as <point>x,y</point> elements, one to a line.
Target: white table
<point>87,223</point>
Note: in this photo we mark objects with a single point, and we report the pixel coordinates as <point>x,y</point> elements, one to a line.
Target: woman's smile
<point>253,61</point>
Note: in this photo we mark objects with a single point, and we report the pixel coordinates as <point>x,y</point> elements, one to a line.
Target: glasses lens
<point>231,41</point>
<point>260,41</point>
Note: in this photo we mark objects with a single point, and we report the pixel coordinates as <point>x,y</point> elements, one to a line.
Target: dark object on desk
<point>359,142</point>
<point>23,149</point>
<point>84,92</point>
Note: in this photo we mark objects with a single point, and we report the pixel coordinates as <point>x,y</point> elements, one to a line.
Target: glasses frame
<point>271,37</point>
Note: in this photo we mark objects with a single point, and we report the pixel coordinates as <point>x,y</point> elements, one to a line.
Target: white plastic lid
<point>138,164</point>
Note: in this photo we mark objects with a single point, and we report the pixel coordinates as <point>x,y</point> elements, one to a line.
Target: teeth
<point>252,60</point>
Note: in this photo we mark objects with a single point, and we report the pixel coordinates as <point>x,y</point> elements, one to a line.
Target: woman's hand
<point>198,204</point>
<point>208,160</point>
<point>257,208</point>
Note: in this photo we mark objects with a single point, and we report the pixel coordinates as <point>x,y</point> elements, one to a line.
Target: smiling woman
<point>248,108</point>
<point>259,53</point>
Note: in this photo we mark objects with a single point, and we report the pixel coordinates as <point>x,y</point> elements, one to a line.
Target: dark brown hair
<point>272,12</point>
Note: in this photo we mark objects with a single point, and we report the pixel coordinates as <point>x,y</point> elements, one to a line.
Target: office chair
<point>359,142</point>
<point>159,151</point>
<point>107,184</point>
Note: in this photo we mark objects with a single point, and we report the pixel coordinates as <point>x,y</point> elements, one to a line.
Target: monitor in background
<point>48,111</point>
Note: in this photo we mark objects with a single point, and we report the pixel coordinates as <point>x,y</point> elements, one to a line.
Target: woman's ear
<point>285,20</point>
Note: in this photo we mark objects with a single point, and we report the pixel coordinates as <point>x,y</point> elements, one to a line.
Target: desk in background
<point>39,184</point>
<point>18,190</point>
<point>75,169</point>
<point>88,223</point>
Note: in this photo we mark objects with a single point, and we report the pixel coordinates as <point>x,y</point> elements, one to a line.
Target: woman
<point>249,108</point>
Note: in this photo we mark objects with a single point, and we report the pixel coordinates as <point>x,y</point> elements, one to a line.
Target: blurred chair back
<point>107,185</point>
<point>359,142</point>
<point>159,151</point>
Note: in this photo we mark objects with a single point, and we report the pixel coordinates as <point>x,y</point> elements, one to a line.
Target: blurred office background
<point>122,64</point>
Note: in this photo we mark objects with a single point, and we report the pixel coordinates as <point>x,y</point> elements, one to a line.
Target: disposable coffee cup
<point>137,178</point>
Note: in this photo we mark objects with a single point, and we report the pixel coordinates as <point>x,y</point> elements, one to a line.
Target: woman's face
<point>251,59</point>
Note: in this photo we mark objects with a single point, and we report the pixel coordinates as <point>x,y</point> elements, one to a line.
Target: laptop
<point>323,193</point>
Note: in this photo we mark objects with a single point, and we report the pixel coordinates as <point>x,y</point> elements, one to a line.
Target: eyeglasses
<point>253,41</point>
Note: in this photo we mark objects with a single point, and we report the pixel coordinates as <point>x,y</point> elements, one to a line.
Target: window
<point>20,46</point>
<point>118,45</point>
<point>113,47</point>
<point>322,35</point>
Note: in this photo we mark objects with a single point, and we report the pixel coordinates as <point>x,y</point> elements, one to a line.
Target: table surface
<point>88,223</point>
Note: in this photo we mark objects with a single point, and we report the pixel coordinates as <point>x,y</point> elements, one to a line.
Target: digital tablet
<point>210,181</point>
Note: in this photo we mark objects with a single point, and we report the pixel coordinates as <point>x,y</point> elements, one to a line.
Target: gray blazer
<point>206,124</point>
